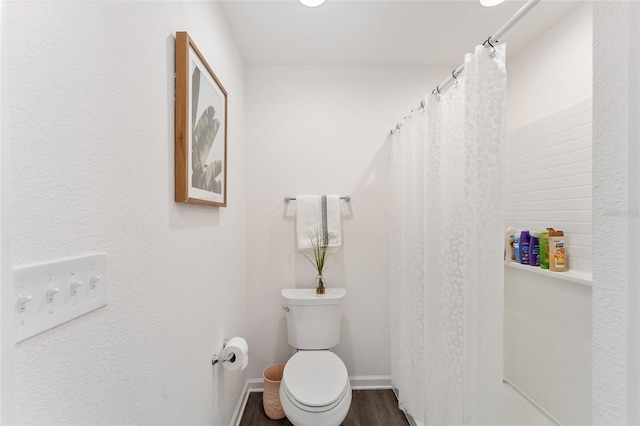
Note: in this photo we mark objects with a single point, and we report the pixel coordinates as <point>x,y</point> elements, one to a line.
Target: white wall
<point>633,353</point>
<point>548,173</point>
<point>547,343</point>
<point>547,320</point>
<point>616,303</point>
<point>7,383</point>
<point>553,71</point>
<point>319,130</point>
<point>89,115</point>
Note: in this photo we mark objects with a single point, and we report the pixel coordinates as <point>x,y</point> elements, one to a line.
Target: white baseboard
<point>242,402</point>
<point>370,382</point>
<point>257,385</point>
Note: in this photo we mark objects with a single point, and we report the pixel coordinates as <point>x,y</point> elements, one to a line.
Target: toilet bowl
<point>315,389</point>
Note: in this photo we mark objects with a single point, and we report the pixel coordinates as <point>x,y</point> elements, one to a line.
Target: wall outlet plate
<point>52,293</point>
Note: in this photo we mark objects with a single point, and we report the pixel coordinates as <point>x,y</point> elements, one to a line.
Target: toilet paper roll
<point>245,363</point>
<point>236,354</point>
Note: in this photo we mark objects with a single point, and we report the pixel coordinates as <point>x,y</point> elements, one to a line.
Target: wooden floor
<point>368,408</point>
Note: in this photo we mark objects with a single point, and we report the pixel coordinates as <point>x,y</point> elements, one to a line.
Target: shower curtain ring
<point>437,95</point>
<point>396,129</point>
<point>422,104</point>
<point>492,53</point>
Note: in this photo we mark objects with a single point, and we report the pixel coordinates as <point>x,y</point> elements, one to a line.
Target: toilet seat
<point>315,381</point>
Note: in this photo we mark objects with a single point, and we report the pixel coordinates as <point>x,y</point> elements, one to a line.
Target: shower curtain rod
<point>488,43</point>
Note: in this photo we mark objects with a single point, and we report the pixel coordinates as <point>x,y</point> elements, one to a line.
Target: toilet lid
<point>315,378</point>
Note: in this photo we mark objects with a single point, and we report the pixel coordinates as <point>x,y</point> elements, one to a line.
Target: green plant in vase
<point>318,256</point>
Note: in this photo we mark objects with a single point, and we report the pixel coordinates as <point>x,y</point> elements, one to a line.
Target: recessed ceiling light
<point>491,3</point>
<point>313,3</point>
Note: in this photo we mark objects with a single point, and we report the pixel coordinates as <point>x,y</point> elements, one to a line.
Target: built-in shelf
<point>578,277</point>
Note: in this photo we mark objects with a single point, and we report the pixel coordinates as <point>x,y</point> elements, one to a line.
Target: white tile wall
<point>519,411</point>
<point>547,343</point>
<point>547,325</point>
<point>549,179</point>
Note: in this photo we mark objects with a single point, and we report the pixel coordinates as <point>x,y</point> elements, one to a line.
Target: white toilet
<point>315,389</point>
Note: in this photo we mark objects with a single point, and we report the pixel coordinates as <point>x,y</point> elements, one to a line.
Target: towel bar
<point>287,198</point>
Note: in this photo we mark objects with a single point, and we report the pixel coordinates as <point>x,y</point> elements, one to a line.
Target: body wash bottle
<point>543,241</point>
<point>508,244</point>
<point>557,251</point>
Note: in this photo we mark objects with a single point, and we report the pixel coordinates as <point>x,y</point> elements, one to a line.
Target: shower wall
<point>547,342</point>
<point>549,167</point>
<point>553,71</point>
<point>547,327</point>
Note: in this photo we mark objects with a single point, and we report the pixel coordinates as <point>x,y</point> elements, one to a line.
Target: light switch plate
<point>52,293</point>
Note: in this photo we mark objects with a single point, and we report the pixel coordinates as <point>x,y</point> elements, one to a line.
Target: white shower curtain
<point>447,250</point>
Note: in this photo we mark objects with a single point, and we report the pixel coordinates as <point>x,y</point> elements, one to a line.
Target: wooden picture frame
<point>200,128</point>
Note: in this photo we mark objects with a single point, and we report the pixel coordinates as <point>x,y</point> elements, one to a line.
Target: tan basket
<point>272,376</point>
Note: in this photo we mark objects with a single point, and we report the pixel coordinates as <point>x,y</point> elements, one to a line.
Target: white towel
<point>318,214</point>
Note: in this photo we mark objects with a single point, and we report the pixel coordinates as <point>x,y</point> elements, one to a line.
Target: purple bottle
<point>524,247</point>
<point>534,250</point>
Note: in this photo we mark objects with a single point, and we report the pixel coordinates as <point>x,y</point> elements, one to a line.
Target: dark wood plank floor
<point>368,408</point>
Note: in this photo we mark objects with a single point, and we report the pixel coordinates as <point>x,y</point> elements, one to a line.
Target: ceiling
<point>378,32</point>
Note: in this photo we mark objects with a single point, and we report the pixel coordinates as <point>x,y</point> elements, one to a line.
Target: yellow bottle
<point>557,251</point>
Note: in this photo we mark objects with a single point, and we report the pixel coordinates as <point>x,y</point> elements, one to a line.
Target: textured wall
<point>633,367</point>
<point>90,97</point>
<point>318,130</point>
<point>615,188</point>
<point>7,385</point>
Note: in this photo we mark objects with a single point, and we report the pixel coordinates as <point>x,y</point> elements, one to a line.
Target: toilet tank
<point>313,322</point>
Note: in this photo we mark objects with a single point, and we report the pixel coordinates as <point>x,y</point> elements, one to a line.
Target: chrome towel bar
<point>287,198</point>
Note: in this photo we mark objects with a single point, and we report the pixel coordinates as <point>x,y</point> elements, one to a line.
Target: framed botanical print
<point>200,128</point>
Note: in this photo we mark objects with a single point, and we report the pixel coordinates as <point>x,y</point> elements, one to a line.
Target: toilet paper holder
<point>229,358</point>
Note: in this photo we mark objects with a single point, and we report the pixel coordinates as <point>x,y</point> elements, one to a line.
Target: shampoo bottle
<point>534,249</point>
<point>524,247</point>
<point>516,249</point>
